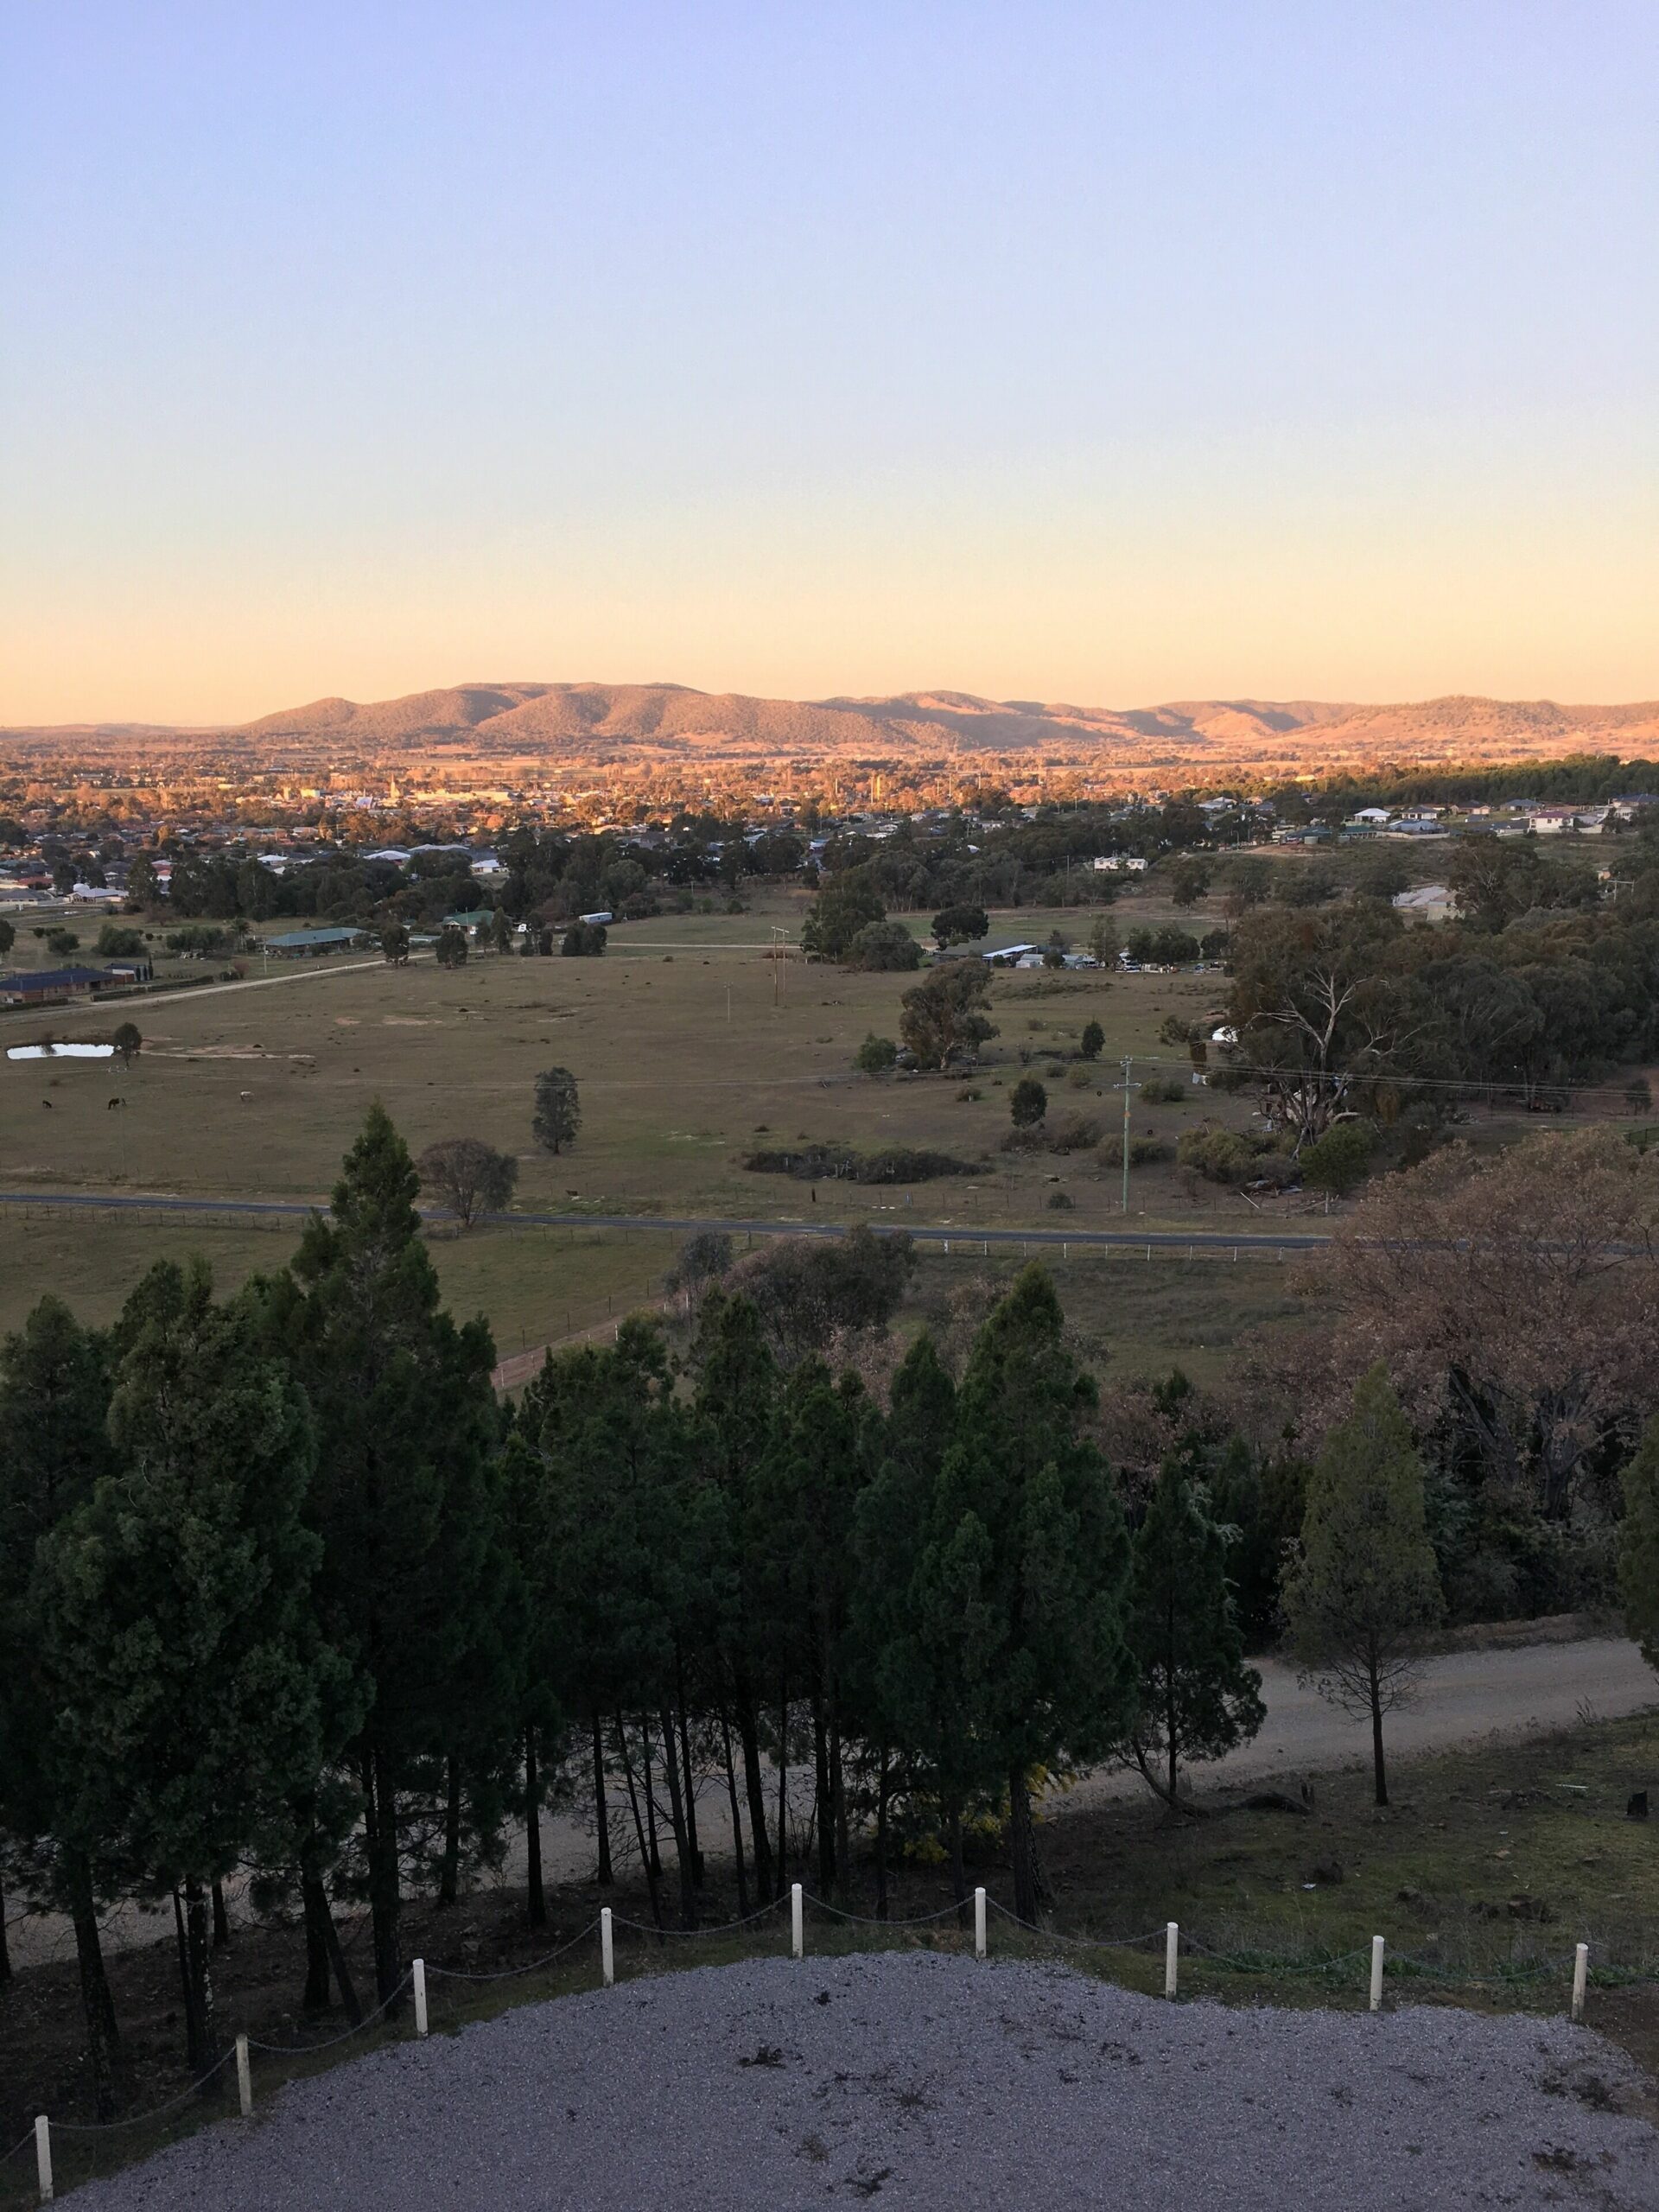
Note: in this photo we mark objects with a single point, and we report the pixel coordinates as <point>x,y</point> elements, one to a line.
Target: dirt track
<point>1527,1689</point>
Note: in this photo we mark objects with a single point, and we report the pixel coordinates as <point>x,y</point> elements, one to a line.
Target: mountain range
<point>548,722</point>
<point>534,717</point>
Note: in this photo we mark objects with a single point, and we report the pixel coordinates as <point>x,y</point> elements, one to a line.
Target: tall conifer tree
<point>405,1418</point>
<point>1198,1697</point>
<point>1367,1584</point>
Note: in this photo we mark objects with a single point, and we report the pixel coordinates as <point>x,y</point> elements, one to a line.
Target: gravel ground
<point>931,2082</point>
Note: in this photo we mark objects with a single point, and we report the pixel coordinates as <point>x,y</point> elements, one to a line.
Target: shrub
<point>1220,1155</point>
<point>1162,1090</point>
<point>1073,1133</point>
<point>1338,1161</point>
<point>1028,1103</point>
<point>824,1163</point>
<point>115,943</point>
<point>1058,1203</point>
<point>201,937</point>
<point>884,948</point>
<point>875,1056</point>
<point>1079,1079</point>
<point>705,1255</point>
<point>1144,1152</point>
<point>1091,1041</point>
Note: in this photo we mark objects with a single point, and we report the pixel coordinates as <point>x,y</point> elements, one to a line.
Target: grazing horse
<point>113,1103</point>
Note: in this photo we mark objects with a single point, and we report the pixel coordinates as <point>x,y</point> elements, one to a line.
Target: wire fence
<point>82,2149</point>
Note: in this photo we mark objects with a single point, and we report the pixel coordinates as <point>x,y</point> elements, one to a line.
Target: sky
<point>1107,353</point>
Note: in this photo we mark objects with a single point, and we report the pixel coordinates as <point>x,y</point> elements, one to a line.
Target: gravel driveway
<point>931,2082</point>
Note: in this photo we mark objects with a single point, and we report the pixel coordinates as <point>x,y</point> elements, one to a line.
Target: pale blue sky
<point>1111,353</point>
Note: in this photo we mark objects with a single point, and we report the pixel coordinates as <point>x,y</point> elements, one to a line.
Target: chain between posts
<point>507,1974</point>
<point>719,1928</point>
<point>156,2112</point>
<point>300,2050</point>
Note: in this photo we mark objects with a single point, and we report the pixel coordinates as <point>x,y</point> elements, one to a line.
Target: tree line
<point>287,1593</point>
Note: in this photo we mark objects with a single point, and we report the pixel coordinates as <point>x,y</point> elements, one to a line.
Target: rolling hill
<point>564,724</point>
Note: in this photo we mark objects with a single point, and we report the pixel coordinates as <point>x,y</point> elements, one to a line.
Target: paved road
<point>1195,1241</point>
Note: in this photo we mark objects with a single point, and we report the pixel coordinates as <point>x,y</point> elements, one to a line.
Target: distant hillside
<point>606,717</point>
<point>619,722</point>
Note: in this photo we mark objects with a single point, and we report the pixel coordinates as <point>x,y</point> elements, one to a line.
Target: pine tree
<point>1199,1700</point>
<point>189,1683</point>
<point>405,1416</point>
<point>1022,1473</point>
<point>890,1530</point>
<point>539,1635</point>
<point>1366,1584</point>
<point>735,1411</point>
<point>619,1468</point>
<point>808,1499</point>
<point>54,1396</point>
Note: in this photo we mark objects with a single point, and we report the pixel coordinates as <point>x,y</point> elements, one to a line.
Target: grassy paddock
<point>684,1059</point>
<point>539,1286</point>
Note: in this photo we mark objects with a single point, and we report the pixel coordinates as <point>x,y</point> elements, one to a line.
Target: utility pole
<point>1126,1132</point>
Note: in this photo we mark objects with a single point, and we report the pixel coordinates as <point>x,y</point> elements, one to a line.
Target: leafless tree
<point>1515,1297</point>
<point>471,1177</point>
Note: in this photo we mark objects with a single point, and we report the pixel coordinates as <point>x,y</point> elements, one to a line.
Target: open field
<point>686,1059</point>
<point>538,1286</point>
<point>691,1048</point>
<point>535,1285</point>
<point>683,1060</point>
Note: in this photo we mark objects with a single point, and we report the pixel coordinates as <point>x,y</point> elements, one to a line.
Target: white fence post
<point>796,1921</point>
<point>243,2078</point>
<point>606,1947</point>
<point>43,2156</point>
<point>979,1923</point>
<point>1580,1975</point>
<point>1377,1973</point>
<point>420,1996</point>
<point>1172,1955</point>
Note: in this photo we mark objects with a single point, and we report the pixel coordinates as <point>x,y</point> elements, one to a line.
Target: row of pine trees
<point>284,1590</point>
